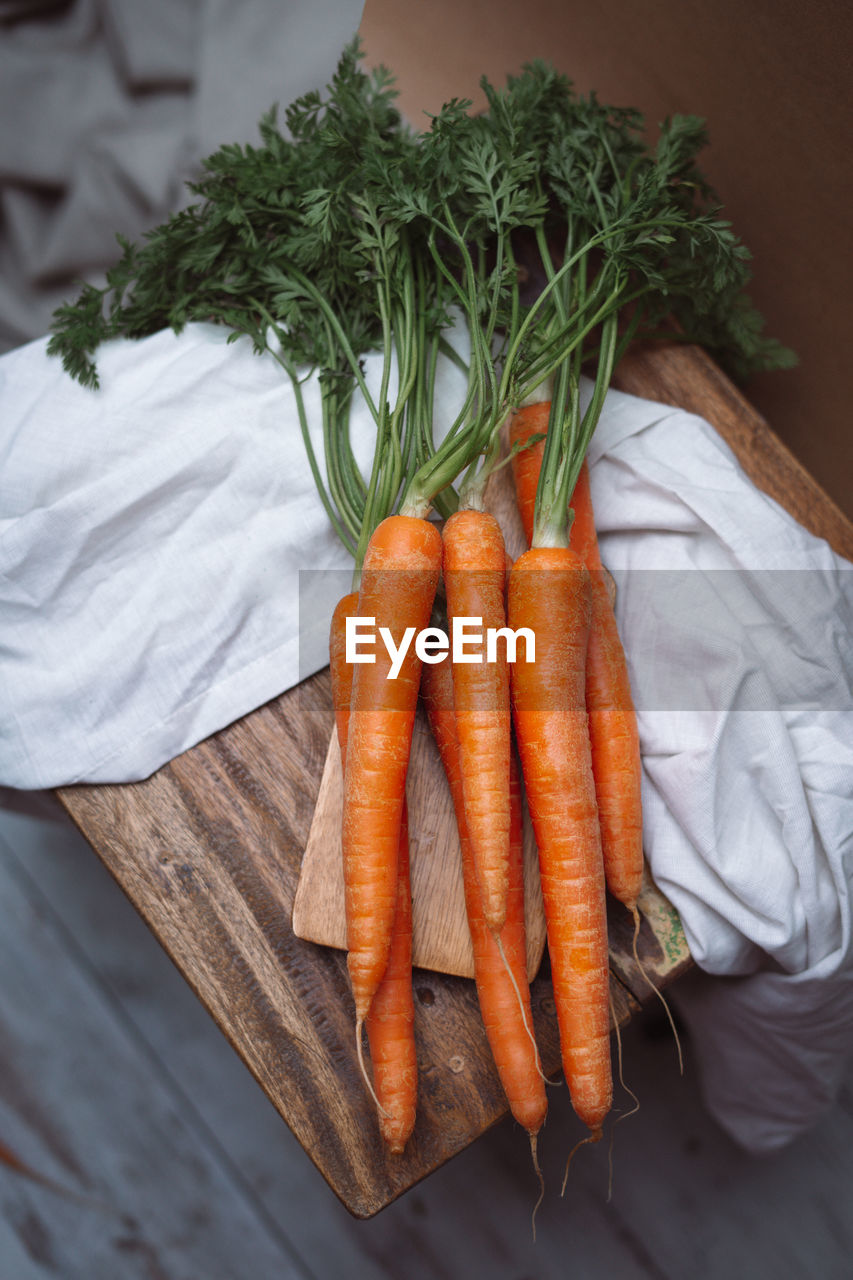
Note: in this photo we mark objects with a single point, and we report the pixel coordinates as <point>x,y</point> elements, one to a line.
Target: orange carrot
<point>549,592</point>
<point>399,577</point>
<point>474,568</point>
<point>531,420</point>
<point>612,719</point>
<point>613,732</point>
<point>499,993</point>
<point>390,1020</point>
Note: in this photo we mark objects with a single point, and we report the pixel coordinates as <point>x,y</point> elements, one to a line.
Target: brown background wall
<point>772,78</point>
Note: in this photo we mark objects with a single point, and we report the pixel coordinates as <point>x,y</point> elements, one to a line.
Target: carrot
<point>399,577</point>
<point>474,568</point>
<point>613,731</point>
<point>390,1020</point>
<point>530,420</point>
<point>502,988</point>
<point>549,592</point>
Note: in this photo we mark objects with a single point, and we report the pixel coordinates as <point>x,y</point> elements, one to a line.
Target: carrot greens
<point>289,245</point>
<point>352,233</point>
<point>631,244</point>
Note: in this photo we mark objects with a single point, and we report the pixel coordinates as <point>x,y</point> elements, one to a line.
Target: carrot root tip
<point>626,1088</point>
<point>593,1136</point>
<point>534,1152</point>
<point>521,1007</point>
<point>658,993</point>
<point>359,1048</point>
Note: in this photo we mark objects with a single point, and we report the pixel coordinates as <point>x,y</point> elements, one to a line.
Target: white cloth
<point>738,626</point>
<point>152,536</point>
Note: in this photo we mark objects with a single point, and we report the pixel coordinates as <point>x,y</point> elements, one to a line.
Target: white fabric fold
<point>155,539</point>
<point>152,535</point>
<point>738,626</point>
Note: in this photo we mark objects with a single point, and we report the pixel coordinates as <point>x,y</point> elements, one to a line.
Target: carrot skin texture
<point>613,729</point>
<point>390,1020</point>
<point>513,1052</point>
<point>474,568</point>
<point>532,420</point>
<point>613,732</point>
<point>549,592</point>
<point>399,577</point>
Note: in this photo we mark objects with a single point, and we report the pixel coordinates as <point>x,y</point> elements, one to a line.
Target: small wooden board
<point>440,937</point>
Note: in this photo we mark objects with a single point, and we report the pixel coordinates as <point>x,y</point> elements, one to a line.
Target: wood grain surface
<point>209,850</point>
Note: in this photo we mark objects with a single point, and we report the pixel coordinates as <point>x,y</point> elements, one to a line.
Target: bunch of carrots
<point>576,734</point>
<point>529,246</point>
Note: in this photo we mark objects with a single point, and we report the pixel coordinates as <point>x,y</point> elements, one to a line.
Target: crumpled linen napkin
<point>738,626</point>
<point>152,536</point>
